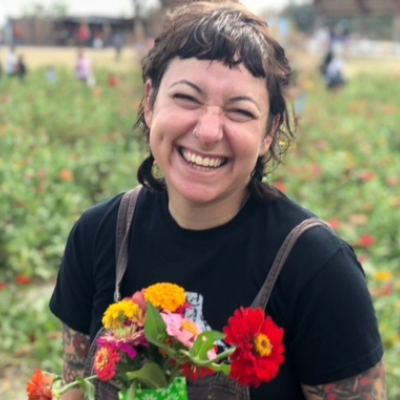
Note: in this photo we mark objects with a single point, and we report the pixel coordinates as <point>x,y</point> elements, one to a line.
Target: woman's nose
<point>209,127</point>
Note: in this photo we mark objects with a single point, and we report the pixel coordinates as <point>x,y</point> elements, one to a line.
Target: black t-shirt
<point>320,299</point>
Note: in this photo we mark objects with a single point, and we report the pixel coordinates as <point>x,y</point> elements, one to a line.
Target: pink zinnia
<point>138,298</point>
<point>180,328</point>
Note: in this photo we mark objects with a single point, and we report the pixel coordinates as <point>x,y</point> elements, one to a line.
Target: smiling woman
<point>214,116</point>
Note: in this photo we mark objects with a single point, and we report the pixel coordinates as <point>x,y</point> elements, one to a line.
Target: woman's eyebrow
<point>191,84</point>
<point>200,91</point>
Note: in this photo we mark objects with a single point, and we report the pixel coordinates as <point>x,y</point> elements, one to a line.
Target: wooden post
<point>396,23</point>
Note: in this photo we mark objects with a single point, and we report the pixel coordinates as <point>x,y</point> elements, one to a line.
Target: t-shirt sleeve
<point>337,334</point>
<point>72,298</point>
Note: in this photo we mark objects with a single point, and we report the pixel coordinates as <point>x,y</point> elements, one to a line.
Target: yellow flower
<point>384,276</point>
<point>118,313</point>
<point>166,296</point>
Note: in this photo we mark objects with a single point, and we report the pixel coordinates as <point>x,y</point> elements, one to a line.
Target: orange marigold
<point>67,175</point>
<point>166,296</point>
<point>40,387</point>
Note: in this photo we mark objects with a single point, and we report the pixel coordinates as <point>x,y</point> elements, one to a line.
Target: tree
<point>303,16</point>
<point>58,8</point>
<point>37,10</point>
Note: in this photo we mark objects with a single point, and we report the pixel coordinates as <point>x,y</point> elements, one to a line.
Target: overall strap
<point>264,294</point>
<point>124,222</point>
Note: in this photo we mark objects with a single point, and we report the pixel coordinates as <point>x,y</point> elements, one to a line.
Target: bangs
<point>222,39</point>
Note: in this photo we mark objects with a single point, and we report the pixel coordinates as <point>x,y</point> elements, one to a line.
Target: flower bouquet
<point>150,349</point>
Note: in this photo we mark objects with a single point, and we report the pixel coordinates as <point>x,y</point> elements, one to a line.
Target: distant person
<point>326,60</point>
<point>11,62</point>
<point>83,34</point>
<point>118,42</point>
<point>18,34</point>
<point>334,70</point>
<point>98,41</point>
<point>83,68</point>
<point>21,69</point>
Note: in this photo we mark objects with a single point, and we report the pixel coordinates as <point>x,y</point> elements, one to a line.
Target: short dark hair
<point>227,32</point>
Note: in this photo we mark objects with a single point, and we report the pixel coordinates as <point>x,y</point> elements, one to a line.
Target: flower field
<point>65,146</point>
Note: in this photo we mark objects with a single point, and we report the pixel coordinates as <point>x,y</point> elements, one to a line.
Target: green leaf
<point>204,343</point>
<point>150,375</point>
<point>129,394</point>
<point>155,327</point>
<point>224,368</point>
<point>88,387</point>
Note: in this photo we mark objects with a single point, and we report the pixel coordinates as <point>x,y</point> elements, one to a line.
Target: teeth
<point>200,161</point>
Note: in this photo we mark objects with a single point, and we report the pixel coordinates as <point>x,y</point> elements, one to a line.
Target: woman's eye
<point>241,114</point>
<point>185,98</point>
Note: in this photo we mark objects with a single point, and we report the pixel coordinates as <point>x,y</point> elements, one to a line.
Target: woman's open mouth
<point>200,161</point>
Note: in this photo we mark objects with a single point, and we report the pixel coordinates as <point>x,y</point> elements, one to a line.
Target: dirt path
<point>13,382</point>
<point>66,57</point>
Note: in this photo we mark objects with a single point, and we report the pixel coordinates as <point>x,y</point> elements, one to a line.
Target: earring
<point>156,170</point>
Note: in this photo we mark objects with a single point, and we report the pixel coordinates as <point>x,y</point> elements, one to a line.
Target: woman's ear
<point>265,144</point>
<point>269,138</point>
<point>148,104</point>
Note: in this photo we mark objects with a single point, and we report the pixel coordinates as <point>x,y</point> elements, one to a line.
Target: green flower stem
<point>205,363</point>
<point>64,389</point>
<point>175,372</point>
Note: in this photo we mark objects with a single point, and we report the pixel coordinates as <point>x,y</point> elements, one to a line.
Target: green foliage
<point>205,343</point>
<point>27,330</point>
<point>156,329</point>
<point>63,147</point>
<point>60,144</point>
<point>150,375</point>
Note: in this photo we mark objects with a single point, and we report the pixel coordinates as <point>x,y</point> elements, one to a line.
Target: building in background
<point>87,31</point>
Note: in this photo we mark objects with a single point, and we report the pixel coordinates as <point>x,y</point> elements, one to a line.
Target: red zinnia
<point>40,386</point>
<point>23,279</point>
<point>281,186</point>
<point>367,241</point>
<point>335,224</point>
<point>195,372</point>
<point>259,343</point>
<point>105,363</point>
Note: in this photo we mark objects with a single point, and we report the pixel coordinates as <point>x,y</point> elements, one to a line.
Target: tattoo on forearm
<point>76,349</point>
<point>370,385</point>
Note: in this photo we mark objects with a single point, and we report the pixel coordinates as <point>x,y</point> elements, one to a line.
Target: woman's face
<point>207,129</point>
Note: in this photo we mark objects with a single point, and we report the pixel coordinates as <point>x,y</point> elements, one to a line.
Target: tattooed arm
<point>370,385</point>
<point>76,349</point>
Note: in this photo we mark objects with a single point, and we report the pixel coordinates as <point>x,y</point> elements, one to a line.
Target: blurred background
<point>70,84</point>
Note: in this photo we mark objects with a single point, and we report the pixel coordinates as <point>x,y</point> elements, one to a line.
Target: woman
<point>215,117</point>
